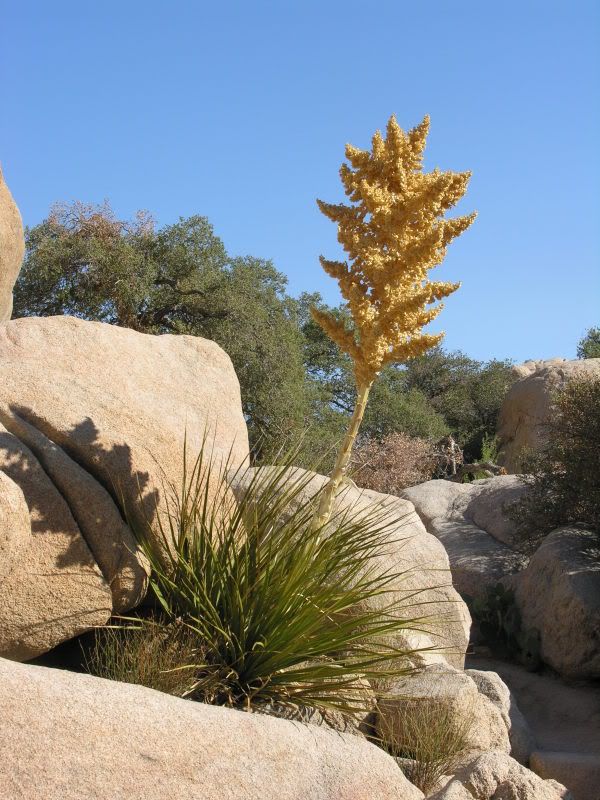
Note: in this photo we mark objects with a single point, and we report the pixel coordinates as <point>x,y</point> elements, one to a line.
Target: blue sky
<point>240,111</point>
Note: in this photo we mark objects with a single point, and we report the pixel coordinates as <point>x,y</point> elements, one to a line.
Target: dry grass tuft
<point>429,740</point>
<point>150,654</point>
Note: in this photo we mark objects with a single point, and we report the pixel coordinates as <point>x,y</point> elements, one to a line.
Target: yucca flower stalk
<point>394,233</point>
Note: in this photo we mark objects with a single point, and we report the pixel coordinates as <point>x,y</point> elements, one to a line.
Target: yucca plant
<point>287,614</point>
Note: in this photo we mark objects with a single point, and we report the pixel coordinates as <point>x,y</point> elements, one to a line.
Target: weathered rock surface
<point>65,736</point>
<point>15,527</point>
<point>559,594</point>
<point>490,684</point>
<point>101,412</point>
<point>359,723</point>
<point>563,715</point>
<point>487,504</point>
<point>580,772</point>
<point>56,590</point>
<point>411,550</point>
<point>496,776</point>
<point>12,248</point>
<point>453,790</point>
<point>109,538</point>
<point>528,402</point>
<point>470,521</point>
<point>441,686</point>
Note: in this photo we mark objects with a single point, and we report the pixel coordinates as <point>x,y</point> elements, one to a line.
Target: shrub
<point>490,448</point>
<point>589,345</point>
<point>287,614</point>
<point>564,477</point>
<point>428,740</point>
<point>149,653</point>
<point>487,466</point>
<point>500,625</point>
<point>392,464</point>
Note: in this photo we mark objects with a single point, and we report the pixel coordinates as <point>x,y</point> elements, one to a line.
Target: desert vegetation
<point>564,476</point>
<point>266,532</point>
<point>296,383</point>
<point>394,232</point>
<point>257,608</point>
<point>428,740</point>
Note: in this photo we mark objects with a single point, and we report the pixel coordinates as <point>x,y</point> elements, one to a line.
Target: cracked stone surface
<point>92,425</point>
<point>471,522</point>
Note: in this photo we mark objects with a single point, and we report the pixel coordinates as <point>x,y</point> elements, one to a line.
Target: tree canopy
<point>84,261</point>
<point>589,345</point>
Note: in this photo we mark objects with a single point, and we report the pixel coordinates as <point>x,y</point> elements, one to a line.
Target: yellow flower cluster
<point>394,232</point>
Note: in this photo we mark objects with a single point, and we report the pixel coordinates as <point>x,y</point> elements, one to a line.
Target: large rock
<point>579,771</point>
<point>563,715</point>
<point>56,590</point>
<point>487,505</point>
<point>418,698</point>
<point>65,736</point>
<point>12,248</point>
<point>528,402</point>
<point>559,594</point>
<point>411,550</point>
<point>490,684</point>
<point>470,520</point>
<point>102,413</point>
<point>496,776</point>
<point>15,527</point>
<point>107,535</point>
<point>452,790</point>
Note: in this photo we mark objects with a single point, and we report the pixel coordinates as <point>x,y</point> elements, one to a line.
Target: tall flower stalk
<point>394,232</point>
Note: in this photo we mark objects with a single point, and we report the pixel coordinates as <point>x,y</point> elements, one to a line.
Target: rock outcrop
<point>491,685</point>
<point>441,687</point>
<point>12,248</point>
<point>426,580</point>
<point>55,590</point>
<point>66,736</point>
<point>15,527</point>
<point>528,402</point>
<point>559,594</point>
<point>470,521</point>
<point>579,771</point>
<point>496,776</point>
<point>93,423</point>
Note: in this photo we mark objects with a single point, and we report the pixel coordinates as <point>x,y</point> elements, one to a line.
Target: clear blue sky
<point>240,110</point>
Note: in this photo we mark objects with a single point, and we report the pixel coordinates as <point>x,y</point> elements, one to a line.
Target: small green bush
<point>490,448</point>
<point>285,614</point>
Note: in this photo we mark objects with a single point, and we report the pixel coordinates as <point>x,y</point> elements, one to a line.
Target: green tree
<point>467,393</point>
<point>84,261</point>
<point>589,345</point>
